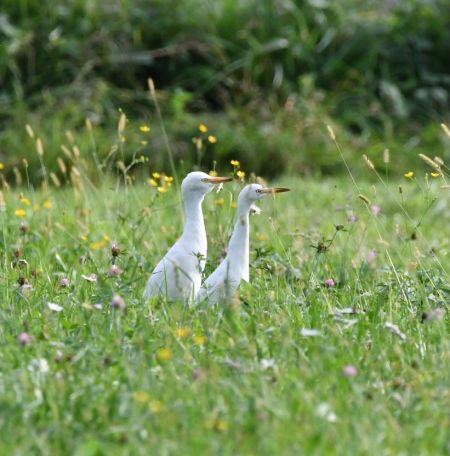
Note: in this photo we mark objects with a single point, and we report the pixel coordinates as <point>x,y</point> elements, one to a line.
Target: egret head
<point>198,183</point>
<point>254,192</point>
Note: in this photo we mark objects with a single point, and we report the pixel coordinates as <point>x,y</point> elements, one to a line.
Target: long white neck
<point>194,232</point>
<point>238,247</point>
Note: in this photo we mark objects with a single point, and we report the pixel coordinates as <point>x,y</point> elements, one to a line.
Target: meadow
<point>338,345</point>
<point>340,342</point>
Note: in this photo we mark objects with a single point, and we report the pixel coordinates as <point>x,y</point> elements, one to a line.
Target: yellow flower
<point>162,189</point>
<point>261,237</point>
<point>48,204</point>
<point>409,174</point>
<point>20,213</point>
<point>212,139</point>
<point>156,175</point>
<point>144,128</point>
<point>436,174</point>
<point>182,332</point>
<point>234,205</point>
<point>200,340</point>
<point>106,238</point>
<point>213,173</point>
<point>83,237</point>
<point>203,128</point>
<point>235,162</point>
<point>217,424</point>
<point>98,245</point>
<point>141,397</point>
<point>2,166</point>
<point>144,143</point>
<point>155,406</point>
<point>240,174</point>
<point>164,354</point>
<point>221,425</point>
<point>152,182</point>
<point>168,178</point>
<point>220,201</point>
<point>25,201</point>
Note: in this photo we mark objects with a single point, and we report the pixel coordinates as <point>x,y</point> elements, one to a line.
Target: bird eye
<point>258,190</point>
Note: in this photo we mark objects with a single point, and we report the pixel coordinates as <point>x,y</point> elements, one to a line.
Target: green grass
<point>241,378</point>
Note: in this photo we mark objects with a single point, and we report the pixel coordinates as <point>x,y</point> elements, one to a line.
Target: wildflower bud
<point>58,356</point>
<point>350,371</point>
<point>24,339</point>
<point>330,283</point>
<point>24,227</point>
<point>64,282</point>
<point>115,250</point>
<point>18,253</point>
<point>118,302</point>
<point>339,227</point>
<point>114,271</point>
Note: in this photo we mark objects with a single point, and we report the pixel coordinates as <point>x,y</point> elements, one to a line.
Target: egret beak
<point>274,190</point>
<point>217,180</point>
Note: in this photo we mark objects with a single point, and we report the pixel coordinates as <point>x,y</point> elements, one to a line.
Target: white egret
<point>178,274</point>
<point>221,284</point>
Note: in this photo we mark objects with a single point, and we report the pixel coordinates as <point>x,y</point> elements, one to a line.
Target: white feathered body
<point>178,275</point>
<point>223,282</point>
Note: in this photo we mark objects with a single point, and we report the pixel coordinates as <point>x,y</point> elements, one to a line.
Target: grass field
<point>339,344</point>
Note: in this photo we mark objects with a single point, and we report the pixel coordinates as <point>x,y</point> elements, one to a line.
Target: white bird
<point>222,283</point>
<point>178,275</point>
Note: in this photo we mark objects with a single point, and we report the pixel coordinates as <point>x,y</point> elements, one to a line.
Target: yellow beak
<point>217,180</point>
<point>274,190</point>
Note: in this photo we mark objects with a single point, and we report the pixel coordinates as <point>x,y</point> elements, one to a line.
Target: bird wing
<point>171,279</point>
<point>219,285</point>
<point>157,282</point>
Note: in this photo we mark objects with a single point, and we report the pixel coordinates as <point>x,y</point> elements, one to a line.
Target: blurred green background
<point>265,77</point>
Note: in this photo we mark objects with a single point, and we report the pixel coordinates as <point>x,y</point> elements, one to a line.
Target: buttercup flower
<point>164,354</point>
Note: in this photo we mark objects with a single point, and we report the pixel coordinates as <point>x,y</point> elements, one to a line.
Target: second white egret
<point>222,283</point>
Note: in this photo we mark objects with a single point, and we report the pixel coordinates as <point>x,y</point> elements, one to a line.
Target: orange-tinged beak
<point>274,190</point>
<point>217,179</point>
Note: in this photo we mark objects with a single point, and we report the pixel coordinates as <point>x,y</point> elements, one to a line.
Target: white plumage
<point>222,283</point>
<point>178,275</point>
